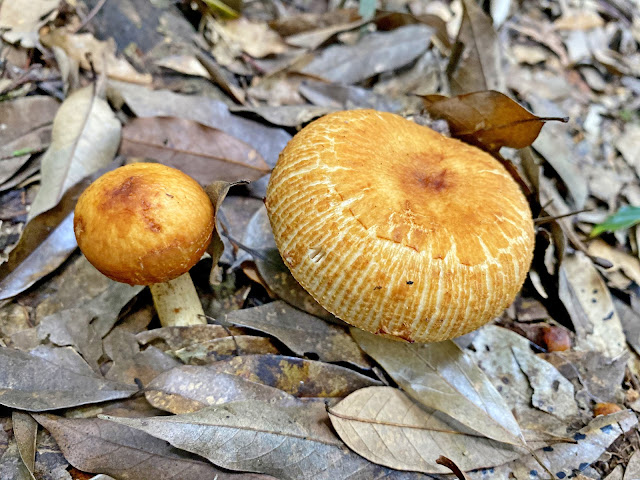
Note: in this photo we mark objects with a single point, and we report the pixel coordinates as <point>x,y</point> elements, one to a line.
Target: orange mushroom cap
<point>144,223</point>
<point>397,229</point>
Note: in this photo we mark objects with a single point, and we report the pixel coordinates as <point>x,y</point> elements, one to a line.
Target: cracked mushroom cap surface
<point>397,229</point>
<point>144,223</point>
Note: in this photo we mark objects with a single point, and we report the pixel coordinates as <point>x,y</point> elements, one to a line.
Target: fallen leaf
<point>204,153</point>
<point>345,97</point>
<point>25,430</point>
<point>578,20</point>
<point>286,115</point>
<point>304,22</point>
<point>626,217</point>
<point>552,392</point>
<point>144,102</point>
<point>374,53</point>
<point>475,61</point>
<point>11,465</point>
<point>79,46</point>
<point>312,39</point>
<point>553,145</point>
<point>259,437</point>
<point>22,24</point>
<point>440,376</point>
<point>187,64</point>
<point>224,348</point>
<point>489,119</point>
<point>628,144</point>
<point>633,467</point>
<point>85,139</point>
<point>35,384</point>
<point>190,388</point>
<point>24,115</point>
<point>564,459</point>
<point>306,335</point>
<point>297,376</point>
<point>254,38</point>
<point>590,307</point>
<point>388,428</point>
<point>98,446</point>
<point>83,326</point>
<point>233,218</point>
<point>391,20</point>
<point>182,337</point>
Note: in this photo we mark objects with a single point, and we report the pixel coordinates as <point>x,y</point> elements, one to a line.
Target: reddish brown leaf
<point>488,119</point>
<point>205,153</point>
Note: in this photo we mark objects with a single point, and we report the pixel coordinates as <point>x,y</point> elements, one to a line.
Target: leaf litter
<point>270,350</point>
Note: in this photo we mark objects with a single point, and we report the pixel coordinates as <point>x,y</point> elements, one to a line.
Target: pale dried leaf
<point>385,426</point>
<point>441,376</point>
<point>85,139</point>
<point>256,436</point>
<point>98,446</point>
<point>22,24</point>
<point>25,430</point>
<point>588,301</point>
<point>103,54</point>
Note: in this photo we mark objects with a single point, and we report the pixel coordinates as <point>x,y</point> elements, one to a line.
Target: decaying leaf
<point>190,388</point>
<point>564,459</point>
<point>255,436</point>
<point>21,25</point>
<point>36,384</point>
<point>176,338</point>
<point>103,54</point>
<point>304,334</point>
<point>297,376</point>
<point>85,139</point>
<point>442,377</point>
<point>475,59</point>
<point>487,119</point>
<point>94,445</point>
<point>25,430</point>
<point>204,153</point>
<point>588,301</point>
<point>224,348</point>
<point>385,426</point>
<point>375,53</point>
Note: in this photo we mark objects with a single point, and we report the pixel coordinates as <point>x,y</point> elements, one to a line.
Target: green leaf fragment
<point>625,217</point>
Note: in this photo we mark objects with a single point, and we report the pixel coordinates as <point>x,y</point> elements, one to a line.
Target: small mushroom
<point>397,229</point>
<point>148,224</point>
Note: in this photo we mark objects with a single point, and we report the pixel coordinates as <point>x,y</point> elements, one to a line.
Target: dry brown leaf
<point>175,338</point>
<point>204,153</point>
<point>82,46</point>
<point>224,348</point>
<point>254,38</point>
<point>190,388</point>
<point>22,22</point>
<point>489,119</point>
<point>25,430</point>
<point>304,334</point>
<point>385,426</point>
<point>297,376</point>
<point>475,62</point>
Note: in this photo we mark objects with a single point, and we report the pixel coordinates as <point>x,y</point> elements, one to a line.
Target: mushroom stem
<point>177,302</point>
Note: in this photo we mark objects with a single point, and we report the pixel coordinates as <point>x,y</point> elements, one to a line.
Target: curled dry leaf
<point>98,446</point>
<point>190,388</point>
<point>386,427</point>
<point>85,139</point>
<point>442,377</point>
<point>259,437</point>
<point>304,334</point>
<point>297,376</point>
<point>488,119</point>
<point>36,384</point>
<point>206,154</point>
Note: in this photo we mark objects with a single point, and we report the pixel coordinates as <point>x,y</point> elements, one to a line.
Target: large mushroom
<point>148,224</point>
<point>397,229</point>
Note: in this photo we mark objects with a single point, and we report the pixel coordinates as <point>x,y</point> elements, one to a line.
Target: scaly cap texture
<point>397,229</point>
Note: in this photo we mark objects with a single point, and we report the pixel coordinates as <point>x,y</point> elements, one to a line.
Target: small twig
<point>551,218</point>
<point>446,462</point>
<point>90,16</point>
